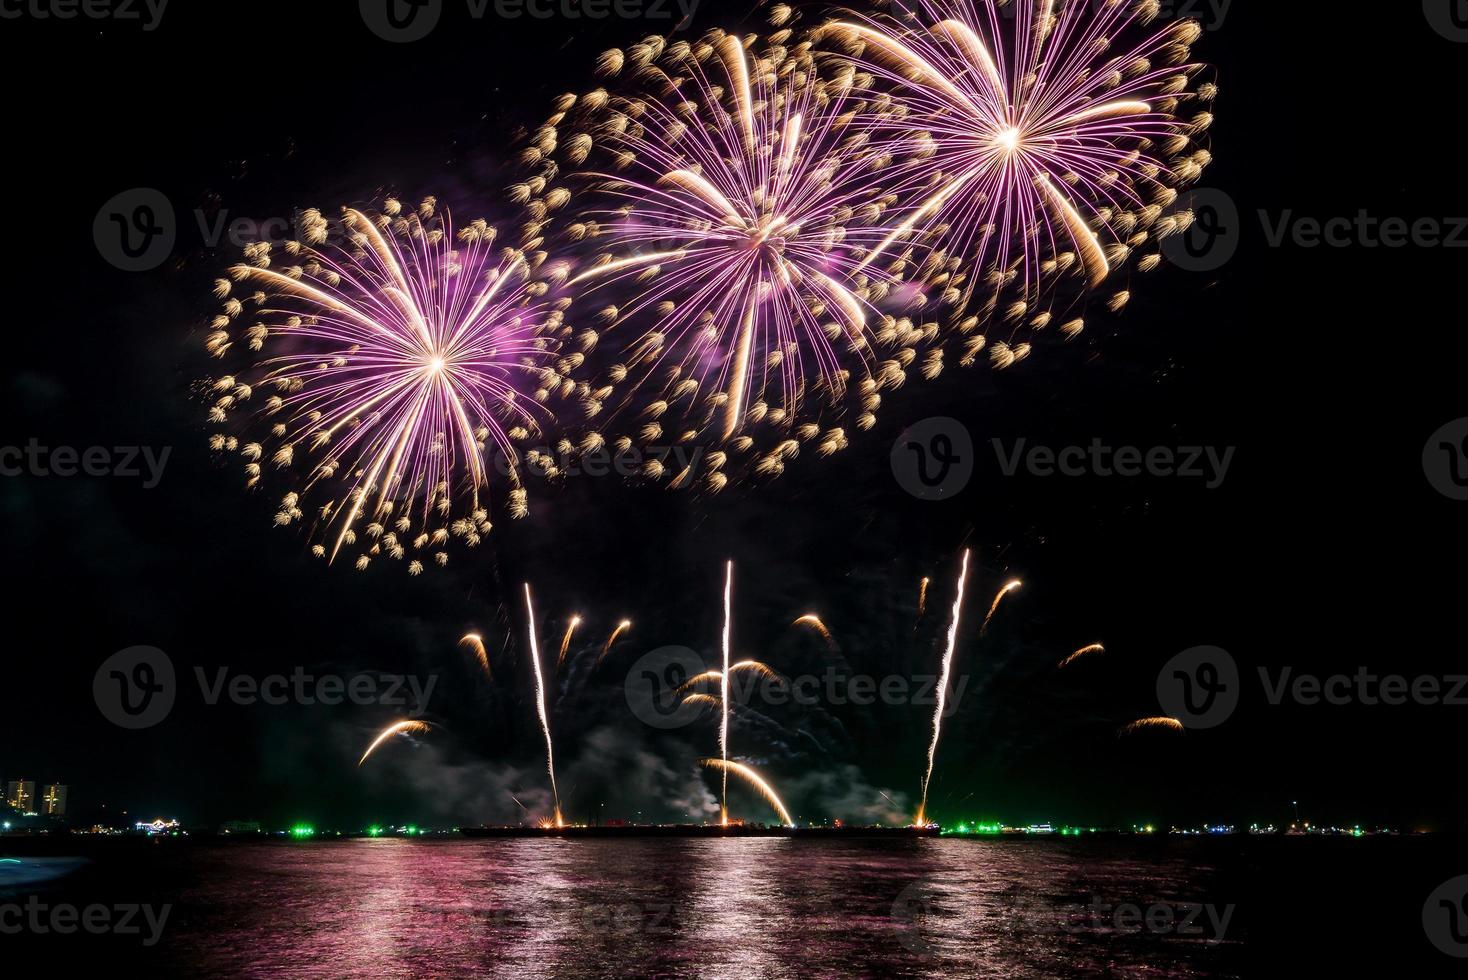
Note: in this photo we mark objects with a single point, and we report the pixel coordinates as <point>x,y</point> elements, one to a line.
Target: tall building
<point>53,800</point>
<point>21,795</point>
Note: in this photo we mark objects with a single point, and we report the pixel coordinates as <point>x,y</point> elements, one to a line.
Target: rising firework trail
<point>606,647</point>
<point>1009,587</point>
<point>922,596</point>
<point>400,727</point>
<point>1082,652</point>
<point>566,641</point>
<point>753,778</point>
<point>475,642</point>
<point>550,756</point>
<point>943,688</point>
<point>724,691</point>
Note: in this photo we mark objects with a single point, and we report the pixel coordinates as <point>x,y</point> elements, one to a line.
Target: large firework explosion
<point>732,205</point>
<point>391,369</point>
<point>1040,149</point>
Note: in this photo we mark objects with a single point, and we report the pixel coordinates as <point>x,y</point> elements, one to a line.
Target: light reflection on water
<point>766,907</point>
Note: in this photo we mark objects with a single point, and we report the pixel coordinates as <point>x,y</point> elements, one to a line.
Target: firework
<point>1083,651</point>
<point>738,209</point>
<point>815,623</point>
<point>1004,590</point>
<point>566,641</point>
<point>753,779</point>
<point>1041,141</point>
<point>1148,724</point>
<point>475,642</point>
<point>385,367</point>
<point>943,688</point>
<point>752,666</point>
<point>606,647</point>
<point>724,690</point>
<point>396,728</point>
<point>550,755</point>
<point>922,597</point>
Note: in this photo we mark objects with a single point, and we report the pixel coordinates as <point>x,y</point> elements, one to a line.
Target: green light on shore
<point>301,830</point>
<point>374,831</point>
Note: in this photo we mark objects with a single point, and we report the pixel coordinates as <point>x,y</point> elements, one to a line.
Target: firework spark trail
<point>606,647</point>
<point>752,666</point>
<point>475,642</point>
<point>724,690</point>
<point>815,623</point>
<point>399,363</point>
<point>566,641</point>
<point>1145,724</point>
<point>1009,587</point>
<point>550,756</point>
<point>407,727</point>
<point>922,596</point>
<point>753,778</point>
<point>1028,126</point>
<point>1083,651</point>
<point>943,688</point>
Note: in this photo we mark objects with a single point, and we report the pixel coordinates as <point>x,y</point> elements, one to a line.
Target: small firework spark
<point>475,642</point>
<point>606,647</point>
<point>540,710</point>
<point>1083,652</point>
<point>397,728</point>
<point>1152,724</point>
<point>385,368</point>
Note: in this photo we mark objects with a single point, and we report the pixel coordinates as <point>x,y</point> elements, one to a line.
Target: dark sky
<point>1325,550</point>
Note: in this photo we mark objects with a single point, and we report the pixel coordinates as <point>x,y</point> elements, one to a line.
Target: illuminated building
<point>21,795</point>
<point>53,800</point>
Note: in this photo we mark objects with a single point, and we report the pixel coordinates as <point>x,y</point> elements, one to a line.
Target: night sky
<point>1326,549</point>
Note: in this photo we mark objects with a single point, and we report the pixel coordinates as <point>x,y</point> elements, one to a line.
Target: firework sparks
<point>922,597</point>
<point>1008,587</point>
<point>1150,724</point>
<point>1082,652</point>
<point>550,756</point>
<point>475,642</point>
<point>566,641</point>
<point>752,666</point>
<point>753,779</point>
<point>606,647</point>
<point>396,728</point>
<point>815,623</point>
<point>741,207</point>
<point>398,360</point>
<point>943,688</point>
<point>1042,141</point>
